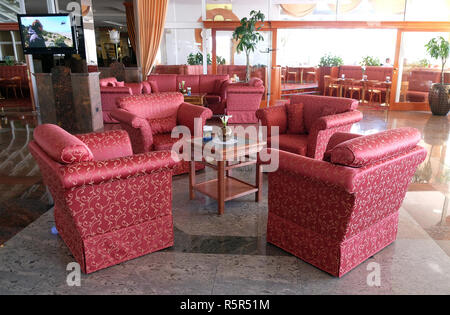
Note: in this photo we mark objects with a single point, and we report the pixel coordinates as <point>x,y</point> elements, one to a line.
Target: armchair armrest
<point>117,90</point>
<point>138,129</point>
<point>188,112</point>
<point>338,120</point>
<point>108,145</point>
<point>97,172</point>
<point>318,170</point>
<point>324,127</point>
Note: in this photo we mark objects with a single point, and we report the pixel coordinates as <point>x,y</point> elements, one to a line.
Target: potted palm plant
<point>438,98</point>
<point>248,36</point>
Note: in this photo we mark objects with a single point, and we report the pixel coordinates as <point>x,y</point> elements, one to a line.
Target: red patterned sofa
<point>243,100</point>
<point>318,120</point>
<point>111,90</point>
<point>214,86</point>
<point>335,215</point>
<point>110,206</point>
<point>149,120</point>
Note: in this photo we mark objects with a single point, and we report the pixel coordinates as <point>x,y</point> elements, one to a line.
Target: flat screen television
<point>47,34</point>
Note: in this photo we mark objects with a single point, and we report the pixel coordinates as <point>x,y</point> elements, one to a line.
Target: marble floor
<point>229,255</point>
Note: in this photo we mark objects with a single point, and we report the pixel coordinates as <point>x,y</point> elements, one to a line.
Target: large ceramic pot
<point>439,99</point>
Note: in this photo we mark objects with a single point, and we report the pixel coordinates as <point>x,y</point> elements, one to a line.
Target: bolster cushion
<point>370,149</point>
<point>60,145</point>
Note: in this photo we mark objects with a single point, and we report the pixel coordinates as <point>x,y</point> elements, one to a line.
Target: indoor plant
<point>370,61</point>
<point>326,64</point>
<point>197,59</point>
<point>438,98</point>
<point>248,36</point>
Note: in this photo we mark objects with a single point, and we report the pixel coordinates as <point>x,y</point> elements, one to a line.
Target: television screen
<point>46,33</point>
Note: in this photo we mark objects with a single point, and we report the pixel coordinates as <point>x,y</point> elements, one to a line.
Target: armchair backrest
<point>315,106</point>
<point>202,83</point>
<point>421,78</point>
<point>157,105</point>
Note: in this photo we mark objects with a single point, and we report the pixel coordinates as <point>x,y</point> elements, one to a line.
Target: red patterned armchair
<point>110,205</point>
<point>149,120</point>
<point>336,213</point>
<point>308,122</point>
<point>243,100</point>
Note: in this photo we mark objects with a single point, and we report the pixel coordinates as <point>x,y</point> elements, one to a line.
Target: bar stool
<point>14,83</point>
<point>294,73</point>
<point>373,88</point>
<point>330,85</point>
<point>351,88</point>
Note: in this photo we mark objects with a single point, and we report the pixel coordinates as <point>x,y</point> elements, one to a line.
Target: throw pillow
<point>120,84</point>
<point>295,118</point>
<point>218,86</point>
<point>154,86</point>
<point>162,125</point>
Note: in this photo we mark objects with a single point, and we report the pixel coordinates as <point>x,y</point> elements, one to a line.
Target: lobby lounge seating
<point>419,84</point>
<point>321,117</point>
<point>149,120</point>
<point>336,213</point>
<point>214,86</point>
<point>110,205</point>
<point>243,100</point>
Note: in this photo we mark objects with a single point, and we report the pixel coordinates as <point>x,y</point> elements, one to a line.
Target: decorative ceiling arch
<point>298,10</point>
<point>346,6</point>
<point>217,14</point>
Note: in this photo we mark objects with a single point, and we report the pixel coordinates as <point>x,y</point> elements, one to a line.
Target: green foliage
<point>439,48</point>
<point>248,36</point>
<point>329,60</point>
<point>370,61</point>
<point>59,42</point>
<point>9,60</point>
<point>197,59</point>
<point>423,63</point>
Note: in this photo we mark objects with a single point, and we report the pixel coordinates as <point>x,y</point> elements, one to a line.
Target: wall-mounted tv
<point>47,34</point>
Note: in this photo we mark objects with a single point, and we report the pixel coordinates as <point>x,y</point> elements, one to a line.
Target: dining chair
<point>373,88</point>
<point>330,85</point>
<point>350,87</point>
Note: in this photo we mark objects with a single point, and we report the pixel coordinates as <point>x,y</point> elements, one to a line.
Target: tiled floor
<point>229,255</point>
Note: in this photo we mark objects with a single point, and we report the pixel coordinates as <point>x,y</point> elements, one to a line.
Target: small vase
<point>226,133</point>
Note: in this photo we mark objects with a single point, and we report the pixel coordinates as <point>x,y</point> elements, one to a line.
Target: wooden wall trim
<point>9,26</point>
<point>411,26</point>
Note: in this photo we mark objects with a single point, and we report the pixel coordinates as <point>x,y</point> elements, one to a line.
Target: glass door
<point>416,71</point>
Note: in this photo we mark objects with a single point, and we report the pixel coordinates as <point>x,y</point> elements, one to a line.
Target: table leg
<point>191,179</point>
<point>259,182</point>
<point>221,186</point>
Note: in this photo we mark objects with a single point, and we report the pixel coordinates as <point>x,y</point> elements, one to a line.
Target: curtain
<point>152,17</point>
<point>130,24</point>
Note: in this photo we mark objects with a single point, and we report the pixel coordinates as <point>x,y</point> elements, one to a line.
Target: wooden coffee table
<point>225,158</point>
<point>195,98</point>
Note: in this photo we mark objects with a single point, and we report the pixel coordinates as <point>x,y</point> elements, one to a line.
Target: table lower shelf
<point>233,188</point>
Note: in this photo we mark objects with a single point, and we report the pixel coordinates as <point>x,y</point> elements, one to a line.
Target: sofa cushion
<point>120,83</point>
<point>154,86</point>
<point>295,118</point>
<point>294,143</point>
<point>111,81</point>
<point>162,125</point>
<point>272,117</point>
<point>60,145</point>
<point>166,82</point>
<point>146,88</point>
<point>208,81</point>
<point>370,149</point>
